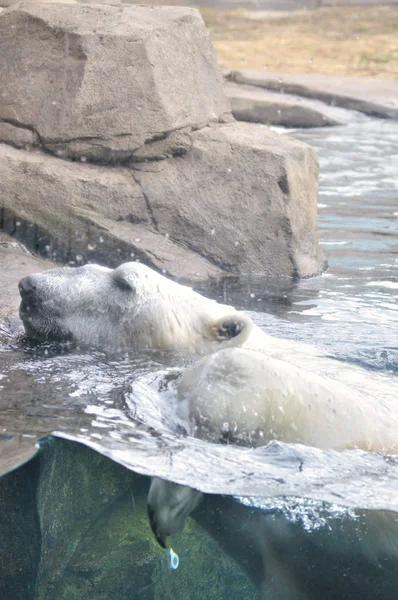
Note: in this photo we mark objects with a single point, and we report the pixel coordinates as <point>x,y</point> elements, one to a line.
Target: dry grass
<point>355,41</point>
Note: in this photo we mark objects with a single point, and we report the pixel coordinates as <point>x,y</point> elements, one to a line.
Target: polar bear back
<point>252,398</point>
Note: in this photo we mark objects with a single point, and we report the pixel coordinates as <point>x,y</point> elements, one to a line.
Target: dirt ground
<point>354,41</point>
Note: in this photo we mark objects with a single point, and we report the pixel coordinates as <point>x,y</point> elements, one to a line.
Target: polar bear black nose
<point>27,286</point>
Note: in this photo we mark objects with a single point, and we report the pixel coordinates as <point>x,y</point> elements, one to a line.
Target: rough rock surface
<point>100,81</point>
<point>243,199</point>
<point>197,195</point>
<point>374,97</point>
<point>76,213</point>
<point>258,105</point>
<point>243,196</point>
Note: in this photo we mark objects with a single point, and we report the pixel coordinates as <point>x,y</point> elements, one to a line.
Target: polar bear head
<point>128,307</point>
<point>169,505</point>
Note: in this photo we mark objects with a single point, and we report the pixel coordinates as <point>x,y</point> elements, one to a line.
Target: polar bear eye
<point>123,282</point>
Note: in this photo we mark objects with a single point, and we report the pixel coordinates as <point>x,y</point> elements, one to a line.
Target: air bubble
<point>174,559</point>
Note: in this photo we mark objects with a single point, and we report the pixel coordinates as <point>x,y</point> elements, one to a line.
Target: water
<point>113,405</point>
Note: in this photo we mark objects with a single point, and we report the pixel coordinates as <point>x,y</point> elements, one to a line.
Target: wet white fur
<point>255,398</point>
<point>130,307</point>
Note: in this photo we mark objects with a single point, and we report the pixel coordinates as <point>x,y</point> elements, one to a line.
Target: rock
<point>20,137</point>
<point>374,97</point>
<point>101,81</point>
<point>244,197</point>
<point>197,194</point>
<point>258,105</point>
<point>76,213</point>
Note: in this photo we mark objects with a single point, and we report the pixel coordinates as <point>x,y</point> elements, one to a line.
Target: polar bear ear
<point>124,279</point>
<point>234,328</point>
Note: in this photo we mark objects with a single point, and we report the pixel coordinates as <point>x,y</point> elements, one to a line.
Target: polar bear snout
<point>30,296</point>
<point>28,288</point>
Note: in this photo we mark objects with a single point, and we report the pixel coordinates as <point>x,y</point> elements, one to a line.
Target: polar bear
<point>128,307</point>
<point>134,307</point>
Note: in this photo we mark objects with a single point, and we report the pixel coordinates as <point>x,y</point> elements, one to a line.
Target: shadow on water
<point>300,522</point>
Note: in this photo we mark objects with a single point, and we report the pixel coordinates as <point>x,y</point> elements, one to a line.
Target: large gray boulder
<point>99,81</point>
<point>242,199</point>
<point>243,196</point>
<point>181,186</point>
<point>76,213</point>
